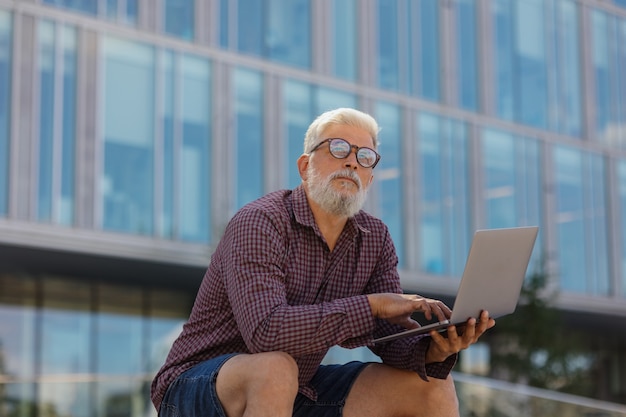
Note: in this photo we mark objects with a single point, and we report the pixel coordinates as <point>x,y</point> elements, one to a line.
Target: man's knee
<point>383,390</point>
<point>276,368</point>
<point>256,379</point>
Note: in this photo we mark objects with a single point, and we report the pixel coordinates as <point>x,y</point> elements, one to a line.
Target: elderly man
<point>297,272</point>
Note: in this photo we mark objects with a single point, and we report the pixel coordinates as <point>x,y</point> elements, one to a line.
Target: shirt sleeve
<point>410,352</point>
<point>255,284</point>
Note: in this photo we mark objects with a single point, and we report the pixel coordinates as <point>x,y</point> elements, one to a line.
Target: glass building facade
<point>132,130</point>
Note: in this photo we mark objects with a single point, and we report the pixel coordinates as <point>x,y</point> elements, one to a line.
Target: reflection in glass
<point>609,63</point>
<point>57,55</point>
<point>248,113</point>
<point>60,398</point>
<point>621,174</point>
<point>67,326</point>
<point>274,29</point>
<point>444,202</point>
<point>388,173</point>
<point>85,6</point>
<point>127,182</point>
<point>179,18</point>
<point>512,183</point>
<point>581,221</point>
<point>166,223</point>
<point>195,164</point>
<point>6,29</point>
<point>344,39</point>
<point>467,54</point>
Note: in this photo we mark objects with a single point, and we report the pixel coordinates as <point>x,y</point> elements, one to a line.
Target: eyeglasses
<point>341,149</point>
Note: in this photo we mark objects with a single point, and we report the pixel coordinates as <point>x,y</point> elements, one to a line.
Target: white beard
<point>332,200</point>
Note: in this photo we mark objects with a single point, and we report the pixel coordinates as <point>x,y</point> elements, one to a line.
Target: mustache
<point>346,173</point>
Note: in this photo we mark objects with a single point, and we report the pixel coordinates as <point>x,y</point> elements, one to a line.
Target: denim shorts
<point>193,393</point>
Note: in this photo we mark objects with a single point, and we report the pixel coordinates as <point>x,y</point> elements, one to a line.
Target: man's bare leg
<point>259,385</point>
<point>381,390</point>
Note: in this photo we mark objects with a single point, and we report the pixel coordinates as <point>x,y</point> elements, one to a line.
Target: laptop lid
<point>492,280</point>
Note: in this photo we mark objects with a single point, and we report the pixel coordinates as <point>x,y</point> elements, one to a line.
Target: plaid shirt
<point>274,285</point>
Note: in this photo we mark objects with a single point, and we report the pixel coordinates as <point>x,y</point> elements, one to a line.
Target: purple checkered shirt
<point>274,285</point>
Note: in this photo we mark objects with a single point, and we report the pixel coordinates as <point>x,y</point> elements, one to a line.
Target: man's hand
<point>397,308</point>
<point>442,347</point>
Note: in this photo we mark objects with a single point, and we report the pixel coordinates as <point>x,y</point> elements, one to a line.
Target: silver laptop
<point>492,279</point>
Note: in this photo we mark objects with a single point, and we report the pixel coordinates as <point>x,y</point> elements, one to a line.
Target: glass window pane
<point>429,45</point>
<point>250,27</point>
<point>581,221</point>
<point>602,74</point>
<point>17,327</point>
<point>6,30</point>
<point>195,166</point>
<point>344,41</point>
<point>388,49</point>
<point>467,54</point>
<point>67,325</point>
<point>119,330</point>
<point>288,32</point>
<point>503,58</point>
<point>443,178</point>
<point>531,61</point>
<point>57,56</point>
<point>512,183</point>
<point>248,111</point>
<point>168,311</point>
<point>298,113</point>
<point>85,6</point>
<point>329,99</point>
<point>167,181</point>
<point>127,183</point>
<point>387,173</point>
<point>622,213</point>
<point>46,119</point>
<point>179,18</point>
<point>566,105</point>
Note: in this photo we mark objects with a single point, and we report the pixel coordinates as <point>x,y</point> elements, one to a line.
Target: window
<point>565,111</point>
<point>57,119</point>
<point>195,141</point>
<point>467,54</point>
<point>512,183</point>
<point>272,29</point>
<point>179,18</point>
<point>581,221</point>
<point>6,30</point>
<point>123,11</point>
<point>388,177</point>
<point>344,40</point>
<point>609,63</point>
<point>128,177</point>
<point>408,52</point>
<point>82,349</point>
<point>621,178</point>
<point>249,134</point>
<point>443,180</point>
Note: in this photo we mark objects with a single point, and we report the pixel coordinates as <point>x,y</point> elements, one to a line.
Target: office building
<point>132,130</point>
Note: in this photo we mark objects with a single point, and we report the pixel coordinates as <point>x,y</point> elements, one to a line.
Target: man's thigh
<point>381,390</point>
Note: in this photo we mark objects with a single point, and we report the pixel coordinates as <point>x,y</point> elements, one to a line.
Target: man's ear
<point>303,164</point>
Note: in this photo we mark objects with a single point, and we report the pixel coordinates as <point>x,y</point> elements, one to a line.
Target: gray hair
<point>340,116</point>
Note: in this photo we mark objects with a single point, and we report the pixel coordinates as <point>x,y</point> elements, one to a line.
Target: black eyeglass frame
<point>356,149</point>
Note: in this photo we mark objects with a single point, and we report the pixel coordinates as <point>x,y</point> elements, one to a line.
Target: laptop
<point>492,280</point>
